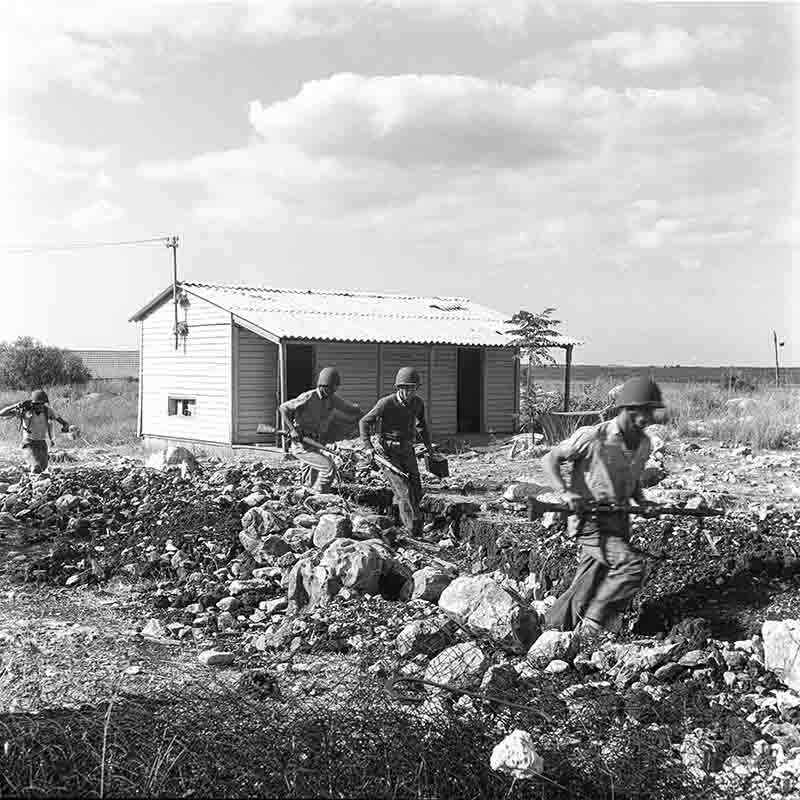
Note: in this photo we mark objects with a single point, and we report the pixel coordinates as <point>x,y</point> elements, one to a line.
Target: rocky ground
<point>143,581</point>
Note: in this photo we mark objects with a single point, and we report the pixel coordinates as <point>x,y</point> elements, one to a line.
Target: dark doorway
<point>299,369</point>
<point>470,382</point>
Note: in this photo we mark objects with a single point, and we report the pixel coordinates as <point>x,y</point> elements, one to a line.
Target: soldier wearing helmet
<point>319,415</point>
<point>607,461</point>
<point>398,417</point>
<point>36,423</point>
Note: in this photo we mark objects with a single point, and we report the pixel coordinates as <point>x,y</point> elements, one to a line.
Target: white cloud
<point>350,141</point>
<point>89,46</point>
<point>702,220</point>
<point>690,263</point>
<point>99,213</point>
<point>23,156</point>
<point>415,119</point>
<point>663,47</point>
<point>103,181</point>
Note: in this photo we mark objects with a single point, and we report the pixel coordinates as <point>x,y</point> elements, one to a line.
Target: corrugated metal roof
<point>360,316</point>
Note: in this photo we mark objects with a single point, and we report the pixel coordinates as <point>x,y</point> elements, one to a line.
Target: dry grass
<point>768,419</point>
<point>105,412</point>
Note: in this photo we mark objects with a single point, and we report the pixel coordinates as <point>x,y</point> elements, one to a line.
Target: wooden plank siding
<point>499,389</point>
<point>404,355</point>
<point>357,363</point>
<point>444,387</point>
<point>256,382</point>
<point>200,369</point>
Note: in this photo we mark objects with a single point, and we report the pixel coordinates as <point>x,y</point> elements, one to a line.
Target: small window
<point>181,406</point>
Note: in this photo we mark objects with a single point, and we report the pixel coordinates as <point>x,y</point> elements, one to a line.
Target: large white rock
<point>429,583</point>
<point>782,650</point>
<point>521,492</point>
<point>552,645</point>
<point>330,527</point>
<point>461,665</point>
<point>517,756</point>
<point>174,456</point>
<point>355,564</point>
<point>215,658</point>
<point>428,636</point>
<point>486,608</point>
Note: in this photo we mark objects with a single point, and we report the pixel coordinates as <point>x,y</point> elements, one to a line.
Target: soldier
<point>36,423</point>
<point>313,417</point>
<point>399,416</point>
<point>607,463</point>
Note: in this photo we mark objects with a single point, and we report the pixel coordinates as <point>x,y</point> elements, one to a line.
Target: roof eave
<point>153,304</point>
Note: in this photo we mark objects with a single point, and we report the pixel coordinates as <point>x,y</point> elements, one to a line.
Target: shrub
<point>737,381</point>
<point>27,364</point>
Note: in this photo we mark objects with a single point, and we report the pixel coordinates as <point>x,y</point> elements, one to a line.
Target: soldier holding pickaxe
<point>309,419</point>
<point>398,417</point>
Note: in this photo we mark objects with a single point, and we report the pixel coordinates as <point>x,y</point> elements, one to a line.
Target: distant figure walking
<point>399,416</point>
<point>36,423</point>
<point>607,464</point>
<point>315,417</point>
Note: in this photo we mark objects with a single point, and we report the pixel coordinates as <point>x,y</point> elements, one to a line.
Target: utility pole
<point>777,344</point>
<point>172,242</point>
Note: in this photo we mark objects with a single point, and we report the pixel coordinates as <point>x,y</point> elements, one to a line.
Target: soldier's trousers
<point>407,492</point>
<point>316,471</point>
<point>609,574</point>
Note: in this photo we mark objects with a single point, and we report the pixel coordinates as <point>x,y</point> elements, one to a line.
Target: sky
<point>633,166</point>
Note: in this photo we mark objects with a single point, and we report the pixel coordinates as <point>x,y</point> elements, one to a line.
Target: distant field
<point>586,373</point>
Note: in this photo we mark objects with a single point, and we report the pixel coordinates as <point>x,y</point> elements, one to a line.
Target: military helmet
<point>39,396</point>
<point>639,391</point>
<point>329,376</point>
<point>407,376</point>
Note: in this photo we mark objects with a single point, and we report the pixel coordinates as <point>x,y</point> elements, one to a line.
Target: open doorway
<point>299,369</point>
<point>470,389</point>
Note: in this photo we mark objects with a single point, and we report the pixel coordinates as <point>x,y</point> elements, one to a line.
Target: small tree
<point>533,334</point>
<point>27,363</point>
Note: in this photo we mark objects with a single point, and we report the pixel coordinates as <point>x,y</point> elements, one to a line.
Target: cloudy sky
<point>633,166</point>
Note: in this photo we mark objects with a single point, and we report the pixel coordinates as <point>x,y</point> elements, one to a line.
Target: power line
<point>16,250</point>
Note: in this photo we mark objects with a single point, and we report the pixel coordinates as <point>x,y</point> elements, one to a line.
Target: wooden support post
<point>281,393</point>
<point>567,368</point>
<point>777,365</point>
<point>379,378</point>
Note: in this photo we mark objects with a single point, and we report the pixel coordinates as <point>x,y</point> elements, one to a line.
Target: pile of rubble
<point>246,565</point>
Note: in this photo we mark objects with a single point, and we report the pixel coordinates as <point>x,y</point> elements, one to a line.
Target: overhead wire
<point>27,249</point>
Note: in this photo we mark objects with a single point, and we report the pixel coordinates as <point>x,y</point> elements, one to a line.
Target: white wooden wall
<point>199,369</point>
<point>256,385</point>
<point>500,389</point>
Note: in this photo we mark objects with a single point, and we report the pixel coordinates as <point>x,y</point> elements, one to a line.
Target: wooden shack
<point>217,360</point>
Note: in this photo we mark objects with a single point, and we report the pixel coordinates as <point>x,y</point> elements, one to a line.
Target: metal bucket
<point>437,465</point>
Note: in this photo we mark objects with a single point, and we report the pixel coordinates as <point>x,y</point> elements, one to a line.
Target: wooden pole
<point>777,365</point>
<point>281,394</point>
<point>172,243</point>
<point>567,367</point>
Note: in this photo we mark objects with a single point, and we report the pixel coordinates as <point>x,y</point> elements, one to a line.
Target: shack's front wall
<point>368,372</point>
<point>255,386</point>
<point>200,369</point>
<point>443,400</point>
<point>500,389</point>
<point>358,364</point>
